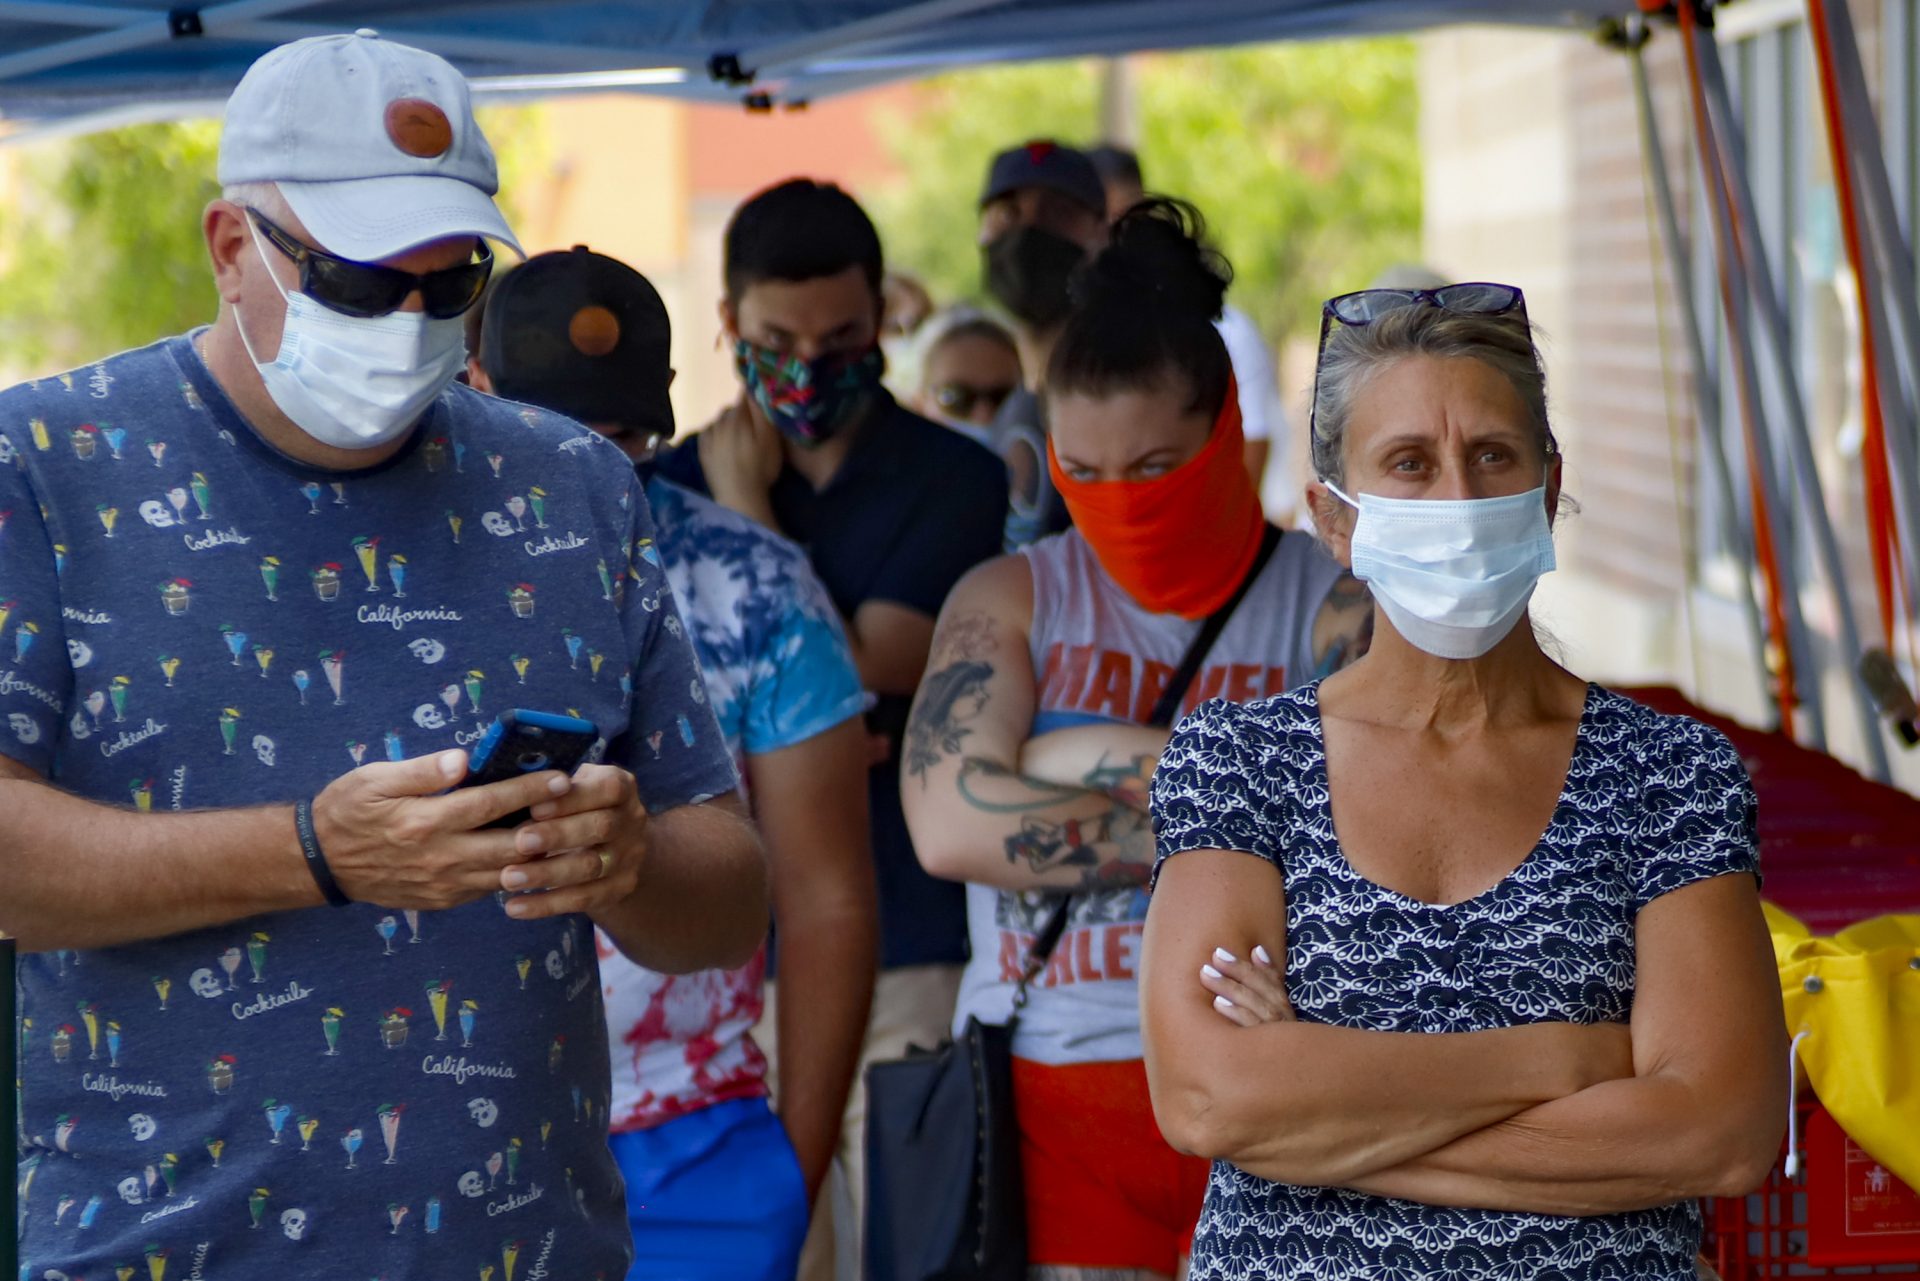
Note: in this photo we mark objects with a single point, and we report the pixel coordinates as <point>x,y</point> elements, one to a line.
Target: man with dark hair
<point>1042,213</point>
<point>709,1167</point>
<point>1263,416</point>
<point>892,510</point>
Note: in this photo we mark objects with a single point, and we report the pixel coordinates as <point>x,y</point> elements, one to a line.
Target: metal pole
<point>1706,394</point>
<point>145,28</point>
<point>1759,438</point>
<point>1773,326</point>
<point>1896,299</point>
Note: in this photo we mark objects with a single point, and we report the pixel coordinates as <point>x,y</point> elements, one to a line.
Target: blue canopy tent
<point>60,60</point>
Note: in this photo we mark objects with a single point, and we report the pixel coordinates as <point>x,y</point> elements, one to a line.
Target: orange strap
<point>1765,552</point>
<point>1883,530</point>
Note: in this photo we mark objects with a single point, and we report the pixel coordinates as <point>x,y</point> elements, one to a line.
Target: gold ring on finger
<point>606,861</point>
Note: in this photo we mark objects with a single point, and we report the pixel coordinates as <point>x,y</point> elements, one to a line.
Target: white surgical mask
<point>1453,575</point>
<point>357,382</point>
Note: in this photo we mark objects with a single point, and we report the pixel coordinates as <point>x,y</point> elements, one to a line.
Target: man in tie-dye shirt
<point>718,1185</point>
<point>280,563</point>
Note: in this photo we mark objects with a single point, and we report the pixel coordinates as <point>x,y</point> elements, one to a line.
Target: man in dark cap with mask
<point>264,582</point>
<point>709,1167</point>
<point>1042,213</point>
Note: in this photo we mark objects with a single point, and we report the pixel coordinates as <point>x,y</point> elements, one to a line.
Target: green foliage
<point>1304,158</point>
<point>101,247</point>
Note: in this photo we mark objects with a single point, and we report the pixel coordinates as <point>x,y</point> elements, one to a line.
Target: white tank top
<point>1099,656</point>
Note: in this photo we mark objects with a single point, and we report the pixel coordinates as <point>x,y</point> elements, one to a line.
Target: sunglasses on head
<point>1363,307</point>
<point>364,290</point>
<point>960,400</point>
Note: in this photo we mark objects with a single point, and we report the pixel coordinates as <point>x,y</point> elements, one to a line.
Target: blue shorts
<point>714,1196</point>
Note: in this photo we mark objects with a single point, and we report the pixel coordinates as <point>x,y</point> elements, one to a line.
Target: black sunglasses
<point>364,290</point>
<point>1364,306</point>
<point>959,399</point>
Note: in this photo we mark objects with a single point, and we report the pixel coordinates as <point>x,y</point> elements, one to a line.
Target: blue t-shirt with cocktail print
<point>191,620</point>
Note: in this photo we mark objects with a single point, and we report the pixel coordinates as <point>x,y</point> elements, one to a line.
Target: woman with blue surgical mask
<point>1456,964</point>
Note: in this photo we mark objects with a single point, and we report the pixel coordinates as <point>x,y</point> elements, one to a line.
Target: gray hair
<point>264,196</point>
<point>1356,354</point>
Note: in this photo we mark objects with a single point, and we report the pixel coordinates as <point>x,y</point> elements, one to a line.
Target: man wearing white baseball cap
<point>296,1002</point>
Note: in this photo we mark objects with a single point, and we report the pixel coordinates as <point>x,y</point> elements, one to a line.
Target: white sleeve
<point>1261,414</point>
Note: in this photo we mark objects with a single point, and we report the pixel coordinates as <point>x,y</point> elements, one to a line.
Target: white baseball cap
<point>373,144</point>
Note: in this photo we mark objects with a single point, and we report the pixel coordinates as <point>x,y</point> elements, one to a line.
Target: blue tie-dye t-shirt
<point>779,672</point>
<point>189,619</point>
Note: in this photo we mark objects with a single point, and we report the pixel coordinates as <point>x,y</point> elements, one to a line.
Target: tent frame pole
<point>1773,327</point>
<point>771,59</point>
<point>1887,286</point>
<point>1734,295</point>
<point>1706,394</point>
<point>141,30</point>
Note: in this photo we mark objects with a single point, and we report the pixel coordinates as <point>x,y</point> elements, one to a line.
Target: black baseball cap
<point>1048,164</point>
<point>584,335</point>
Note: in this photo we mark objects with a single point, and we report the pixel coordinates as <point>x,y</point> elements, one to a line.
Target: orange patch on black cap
<point>594,331</point>
<point>419,128</point>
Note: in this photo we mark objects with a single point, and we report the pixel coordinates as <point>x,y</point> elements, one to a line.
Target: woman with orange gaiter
<point>1032,739</point>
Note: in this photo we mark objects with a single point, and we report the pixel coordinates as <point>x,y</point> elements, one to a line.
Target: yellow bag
<point>1856,995</point>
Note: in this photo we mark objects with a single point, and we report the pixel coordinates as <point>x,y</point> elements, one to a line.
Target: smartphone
<point>523,742</point>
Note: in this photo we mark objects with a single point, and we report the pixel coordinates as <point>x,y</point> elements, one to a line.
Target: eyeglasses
<point>364,290</point>
<point>960,400</point>
<point>1363,307</point>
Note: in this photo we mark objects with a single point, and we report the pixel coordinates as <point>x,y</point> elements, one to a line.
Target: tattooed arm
<point>1117,758</point>
<point>975,816</point>
<point>1343,627</point>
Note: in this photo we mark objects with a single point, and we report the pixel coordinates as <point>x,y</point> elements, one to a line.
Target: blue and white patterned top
<point>1651,803</point>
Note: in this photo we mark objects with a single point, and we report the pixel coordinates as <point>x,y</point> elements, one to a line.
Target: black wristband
<point>316,859</point>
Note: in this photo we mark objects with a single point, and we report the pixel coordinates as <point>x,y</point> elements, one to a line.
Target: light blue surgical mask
<point>1453,575</point>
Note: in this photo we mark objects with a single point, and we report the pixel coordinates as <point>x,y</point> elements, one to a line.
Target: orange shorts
<point>1103,1188</point>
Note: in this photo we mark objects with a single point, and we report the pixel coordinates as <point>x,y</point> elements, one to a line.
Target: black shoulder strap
<point>1163,714</point>
<point>1165,710</point>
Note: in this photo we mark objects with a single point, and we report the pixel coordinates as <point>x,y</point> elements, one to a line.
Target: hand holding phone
<point>521,742</point>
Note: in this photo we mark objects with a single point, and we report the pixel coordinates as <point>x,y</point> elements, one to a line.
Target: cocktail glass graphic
<point>157,449</point>
<point>397,575</point>
<point>311,492</point>
<point>395,1214</point>
<point>302,679</point>
<point>95,703</point>
<point>109,516</point>
<point>116,437</point>
<point>395,750</point>
<point>168,666</point>
<point>162,987</point>
<point>538,500</point>
<point>513,1162</point>
<point>202,496</point>
<point>257,1206</point>
<point>367,552</point>
<point>23,638</point>
<point>606,580</point>
<point>236,641</point>
<point>214,1148</point>
<point>330,1025</point>
<point>517,508</point>
<point>475,682</point>
<point>594,659</point>
<point>523,966</point>
<point>118,691</point>
<point>469,1012</point>
<point>575,643</point>
<point>387,927</point>
<point>333,664</point>
<point>520,665</point>
<point>493,461</point>
<point>351,1141</point>
<point>157,1263</point>
<point>413,925</point>
<point>437,1002</point>
<point>257,954</point>
<point>433,1214</point>
<point>495,1163</point>
<point>308,1127</point>
<point>178,498</point>
<point>390,1129</point>
<point>230,962</point>
<point>454,522</point>
<point>270,575</point>
<point>143,795</point>
<point>41,442</point>
<point>170,1171</point>
<point>90,1017</point>
<point>277,1115</point>
<point>229,727</point>
<point>339,493</point>
<point>113,1044</point>
<point>263,655</point>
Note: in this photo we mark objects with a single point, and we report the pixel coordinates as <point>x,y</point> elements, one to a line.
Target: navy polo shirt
<point>912,508</point>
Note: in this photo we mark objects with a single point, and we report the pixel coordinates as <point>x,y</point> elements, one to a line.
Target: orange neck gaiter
<point>1181,543</point>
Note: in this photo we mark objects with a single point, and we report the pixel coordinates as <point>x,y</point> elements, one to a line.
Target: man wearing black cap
<point>1042,213</point>
<point>709,1169</point>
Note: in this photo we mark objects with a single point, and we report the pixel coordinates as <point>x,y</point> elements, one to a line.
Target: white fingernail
<point>1225,957</point>
<point>1222,1004</point>
<point>1210,972</point>
<point>1260,955</point>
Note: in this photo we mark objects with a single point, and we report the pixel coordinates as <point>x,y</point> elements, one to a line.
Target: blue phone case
<point>527,742</point>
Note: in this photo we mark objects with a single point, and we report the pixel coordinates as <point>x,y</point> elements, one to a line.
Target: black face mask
<point>1027,271</point>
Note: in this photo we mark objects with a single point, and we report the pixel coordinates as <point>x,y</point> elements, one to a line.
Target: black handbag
<point>945,1198</point>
